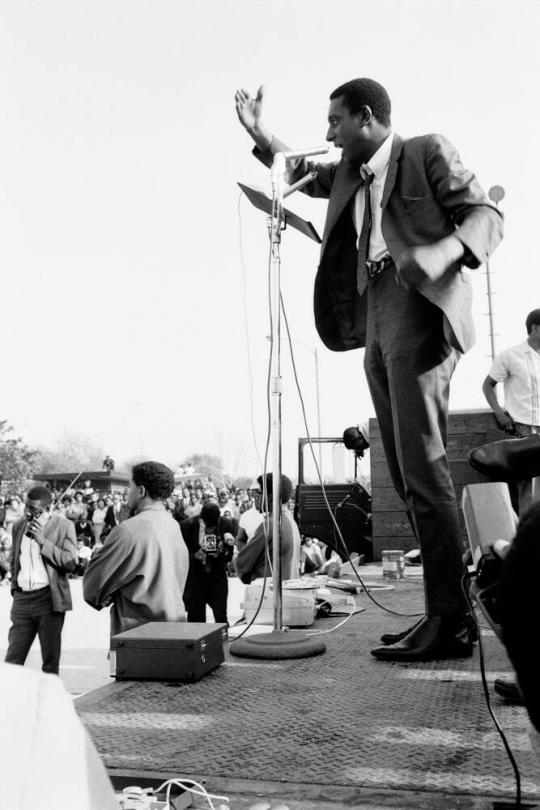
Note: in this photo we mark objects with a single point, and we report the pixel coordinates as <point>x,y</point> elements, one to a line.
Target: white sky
<point>122,310</point>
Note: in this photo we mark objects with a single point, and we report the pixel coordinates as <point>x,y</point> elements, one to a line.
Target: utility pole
<point>496,194</point>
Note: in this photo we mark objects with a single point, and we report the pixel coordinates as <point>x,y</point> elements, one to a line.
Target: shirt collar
<point>378,162</point>
<point>156,506</point>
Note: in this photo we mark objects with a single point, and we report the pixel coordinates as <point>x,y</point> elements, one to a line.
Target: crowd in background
<point>95,513</point>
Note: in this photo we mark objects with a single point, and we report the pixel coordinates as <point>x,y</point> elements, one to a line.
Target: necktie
<point>365,233</point>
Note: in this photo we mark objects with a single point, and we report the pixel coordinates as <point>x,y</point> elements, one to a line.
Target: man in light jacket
<point>142,567</point>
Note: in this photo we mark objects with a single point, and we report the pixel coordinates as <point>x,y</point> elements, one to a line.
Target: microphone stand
<point>280,643</point>
<point>276,222</point>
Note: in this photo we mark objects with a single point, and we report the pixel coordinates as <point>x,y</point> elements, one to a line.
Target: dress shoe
<point>435,637</point>
<point>509,690</point>
<point>509,459</point>
<point>393,638</point>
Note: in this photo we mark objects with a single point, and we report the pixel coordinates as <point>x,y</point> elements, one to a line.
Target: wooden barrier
<point>391,528</point>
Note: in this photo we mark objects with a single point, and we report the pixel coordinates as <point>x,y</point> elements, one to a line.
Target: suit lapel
<point>346,182</point>
<point>395,154</point>
<point>16,540</point>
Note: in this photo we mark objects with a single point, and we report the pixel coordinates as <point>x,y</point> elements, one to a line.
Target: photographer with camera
<point>210,541</point>
<point>43,553</point>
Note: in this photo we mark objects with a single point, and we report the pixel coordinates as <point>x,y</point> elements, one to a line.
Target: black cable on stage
<point>487,697</point>
<point>329,508</point>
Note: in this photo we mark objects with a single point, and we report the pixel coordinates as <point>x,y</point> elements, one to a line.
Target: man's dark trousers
<point>31,615</point>
<point>408,364</point>
<point>210,589</point>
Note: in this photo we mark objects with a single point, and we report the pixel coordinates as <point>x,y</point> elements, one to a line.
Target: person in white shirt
<point>250,520</point>
<point>404,216</point>
<point>518,368</point>
<point>43,553</point>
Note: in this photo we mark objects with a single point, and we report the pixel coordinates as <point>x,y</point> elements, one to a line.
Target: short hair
<point>286,486</point>
<point>210,514</point>
<point>156,478</point>
<point>532,319</point>
<point>360,92</point>
<point>41,494</point>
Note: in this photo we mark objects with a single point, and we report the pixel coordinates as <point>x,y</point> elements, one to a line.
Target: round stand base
<point>278,644</point>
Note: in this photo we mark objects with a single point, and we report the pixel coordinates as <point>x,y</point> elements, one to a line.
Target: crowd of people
<point>95,513</point>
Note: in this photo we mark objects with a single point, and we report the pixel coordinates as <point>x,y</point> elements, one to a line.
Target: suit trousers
<point>32,615</point>
<point>208,588</point>
<point>408,364</point>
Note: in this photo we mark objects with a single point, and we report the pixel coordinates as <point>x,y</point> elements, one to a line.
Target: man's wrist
<point>453,248</point>
<point>262,136</point>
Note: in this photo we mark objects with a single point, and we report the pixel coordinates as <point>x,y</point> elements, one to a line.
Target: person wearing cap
<point>518,368</point>
<point>251,561</point>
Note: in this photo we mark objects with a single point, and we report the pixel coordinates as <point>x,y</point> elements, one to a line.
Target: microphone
<point>300,183</point>
<point>294,154</point>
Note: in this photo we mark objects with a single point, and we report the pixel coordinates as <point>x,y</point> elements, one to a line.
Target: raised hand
<point>249,110</point>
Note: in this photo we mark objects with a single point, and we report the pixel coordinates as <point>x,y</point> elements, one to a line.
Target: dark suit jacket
<point>428,195</point>
<point>112,519</point>
<point>214,564</point>
<point>59,552</point>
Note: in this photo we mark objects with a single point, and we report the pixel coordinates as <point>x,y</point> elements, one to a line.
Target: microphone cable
<point>328,507</point>
<point>304,416</point>
<point>509,753</point>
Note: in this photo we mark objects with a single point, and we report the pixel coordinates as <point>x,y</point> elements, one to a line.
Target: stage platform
<point>333,732</point>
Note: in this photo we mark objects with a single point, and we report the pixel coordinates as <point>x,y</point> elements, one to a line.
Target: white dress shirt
<point>32,575</point>
<point>518,368</point>
<point>378,166</point>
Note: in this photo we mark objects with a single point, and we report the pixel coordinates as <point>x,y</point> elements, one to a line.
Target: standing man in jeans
<point>43,553</point>
<point>518,368</point>
<point>404,217</point>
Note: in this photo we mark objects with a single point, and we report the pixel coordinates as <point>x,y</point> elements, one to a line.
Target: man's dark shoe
<point>393,638</point>
<point>435,637</point>
<point>509,690</point>
<point>509,459</point>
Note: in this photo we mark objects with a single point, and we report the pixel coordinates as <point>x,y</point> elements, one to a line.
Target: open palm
<point>249,110</point>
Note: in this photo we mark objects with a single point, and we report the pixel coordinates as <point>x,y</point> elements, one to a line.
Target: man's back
<point>142,569</point>
<point>250,563</point>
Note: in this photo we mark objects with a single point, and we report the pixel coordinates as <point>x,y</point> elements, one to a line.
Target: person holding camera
<point>210,541</point>
<point>43,553</point>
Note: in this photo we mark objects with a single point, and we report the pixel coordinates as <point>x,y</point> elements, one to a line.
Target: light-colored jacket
<point>141,571</point>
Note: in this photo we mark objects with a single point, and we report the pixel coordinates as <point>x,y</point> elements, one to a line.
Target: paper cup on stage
<point>393,564</point>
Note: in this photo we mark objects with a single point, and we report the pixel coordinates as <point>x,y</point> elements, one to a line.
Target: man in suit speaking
<point>403,217</point>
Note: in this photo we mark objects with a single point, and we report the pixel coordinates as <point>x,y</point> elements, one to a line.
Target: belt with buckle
<point>376,268</point>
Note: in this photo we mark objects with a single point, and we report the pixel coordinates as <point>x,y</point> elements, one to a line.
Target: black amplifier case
<point>172,651</point>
